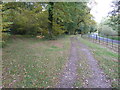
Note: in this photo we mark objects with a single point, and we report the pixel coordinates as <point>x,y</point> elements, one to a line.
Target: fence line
<point>105,40</point>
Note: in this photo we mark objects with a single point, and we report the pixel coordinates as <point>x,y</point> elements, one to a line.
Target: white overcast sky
<point>101,9</point>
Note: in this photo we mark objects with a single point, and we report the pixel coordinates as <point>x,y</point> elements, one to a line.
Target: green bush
<point>28,22</point>
<point>5,37</point>
<point>106,30</point>
<point>114,37</point>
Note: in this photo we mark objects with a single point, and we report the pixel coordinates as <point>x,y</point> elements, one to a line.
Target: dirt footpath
<point>69,76</point>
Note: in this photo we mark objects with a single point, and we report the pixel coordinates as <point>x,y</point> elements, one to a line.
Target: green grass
<point>108,60</point>
<point>1,43</point>
<point>83,71</point>
<point>31,62</point>
<point>112,37</point>
<point>0,67</point>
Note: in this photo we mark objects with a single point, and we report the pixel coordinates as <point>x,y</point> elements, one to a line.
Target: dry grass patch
<point>30,62</point>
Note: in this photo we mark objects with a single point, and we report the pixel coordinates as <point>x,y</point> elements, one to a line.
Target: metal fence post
<point>93,38</point>
<point>96,38</point>
<point>103,39</point>
<point>107,39</point>
<point>112,41</point>
<point>99,38</point>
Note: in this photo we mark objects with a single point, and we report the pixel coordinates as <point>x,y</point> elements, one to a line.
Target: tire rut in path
<point>69,76</point>
<point>98,79</point>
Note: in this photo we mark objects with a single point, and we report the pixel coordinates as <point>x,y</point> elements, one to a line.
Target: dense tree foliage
<point>0,20</point>
<point>49,19</point>
<point>110,25</point>
<point>114,16</point>
<point>104,29</point>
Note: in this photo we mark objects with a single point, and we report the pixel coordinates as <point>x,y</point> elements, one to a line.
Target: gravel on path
<point>69,75</point>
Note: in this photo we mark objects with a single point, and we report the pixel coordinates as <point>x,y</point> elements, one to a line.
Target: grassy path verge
<point>107,60</point>
<point>30,62</point>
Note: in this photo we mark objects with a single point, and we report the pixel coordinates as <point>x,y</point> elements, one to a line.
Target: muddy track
<point>69,76</point>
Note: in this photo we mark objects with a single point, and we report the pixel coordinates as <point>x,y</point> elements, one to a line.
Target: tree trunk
<point>50,18</point>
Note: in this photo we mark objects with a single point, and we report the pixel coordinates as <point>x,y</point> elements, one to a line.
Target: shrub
<point>106,30</point>
<point>5,37</point>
